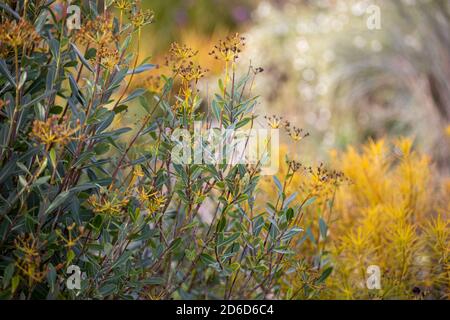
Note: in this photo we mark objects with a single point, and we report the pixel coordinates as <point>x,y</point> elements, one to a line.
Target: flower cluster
<point>141,18</point>
<point>70,241</point>
<point>152,200</point>
<point>109,57</point>
<point>295,166</point>
<point>51,131</point>
<point>122,5</point>
<point>28,258</point>
<point>112,203</point>
<point>98,32</point>
<point>228,49</point>
<point>295,133</point>
<point>180,61</point>
<point>191,72</point>
<point>17,33</point>
<point>276,122</point>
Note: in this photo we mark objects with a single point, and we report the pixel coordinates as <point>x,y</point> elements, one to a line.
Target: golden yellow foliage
<point>391,212</point>
<point>390,215</point>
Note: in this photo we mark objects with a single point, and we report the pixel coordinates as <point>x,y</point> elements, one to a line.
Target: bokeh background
<point>325,70</point>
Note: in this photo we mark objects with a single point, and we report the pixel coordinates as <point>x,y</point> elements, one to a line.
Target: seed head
<point>16,34</point>
<point>228,49</point>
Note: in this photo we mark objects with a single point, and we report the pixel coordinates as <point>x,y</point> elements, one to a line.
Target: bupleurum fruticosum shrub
<point>76,191</point>
<point>79,189</point>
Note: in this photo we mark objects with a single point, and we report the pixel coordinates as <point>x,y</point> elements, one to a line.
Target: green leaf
<point>23,79</point>
<point>175,244</point>
<point>101,148</point>
<point>82,59</point>
<point>154,281</point>
<point>52,154</point>
<point>41,97</point>
<point>283,250</point>
<point>310,235</point>
<point>221,224</point>
<point>51,276</point>
<point>70,256</point>
<point>5,72</point>
<point>142,68</point>
<point>136,93</point>
<point>323,228</point>
<point>59,200</point>
<point>7,274</point>
<point>107,289</point>
<point>120,108</point>
<point>325,274</point>
<point>258,224</point>
<point>207,259</point>
<point>309,202</point>
<point>291,233</point>
<point>288,201</point>
<point>216,110</point>
<point>289,214</point>
<point>278,184</point>
<point>243,122</point>
<point>15,283</point>
<point>229,240</point>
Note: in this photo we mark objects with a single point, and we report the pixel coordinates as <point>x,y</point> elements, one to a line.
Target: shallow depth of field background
<point>324,70</point>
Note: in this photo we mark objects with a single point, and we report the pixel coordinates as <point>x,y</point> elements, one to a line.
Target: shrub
<point>390,210</point>
<point>78,188</point>
<point>394,214</point>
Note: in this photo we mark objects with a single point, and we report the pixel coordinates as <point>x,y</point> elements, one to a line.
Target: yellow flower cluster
<point>52,132</point>
<point>29,259</point>
<point>98,31</point>
<point>154,84</point>
<point>70,241</point>
<point>16,34</point>
<point>111,203</point>
<point>180,62</point>
<point>153,201</point>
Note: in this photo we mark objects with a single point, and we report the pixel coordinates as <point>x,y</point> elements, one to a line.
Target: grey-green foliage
<point>95,196</point>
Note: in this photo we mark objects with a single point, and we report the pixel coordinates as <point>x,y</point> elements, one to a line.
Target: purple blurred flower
<point>240,14</point>
<point>181,17</point>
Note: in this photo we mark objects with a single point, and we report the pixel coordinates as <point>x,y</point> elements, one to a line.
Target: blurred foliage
<point>394,214</point>
<point>390,211</point>
<point>204,18</point>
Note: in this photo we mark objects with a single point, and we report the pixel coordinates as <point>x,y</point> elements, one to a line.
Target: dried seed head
<point>228,49</point>
<point>16,34</point>
<point>98,32</point>
<point>274,121</point>
<point>109,57</point>
<point>295,133</point>
<point>141,18</point>
<point>122,5</point>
